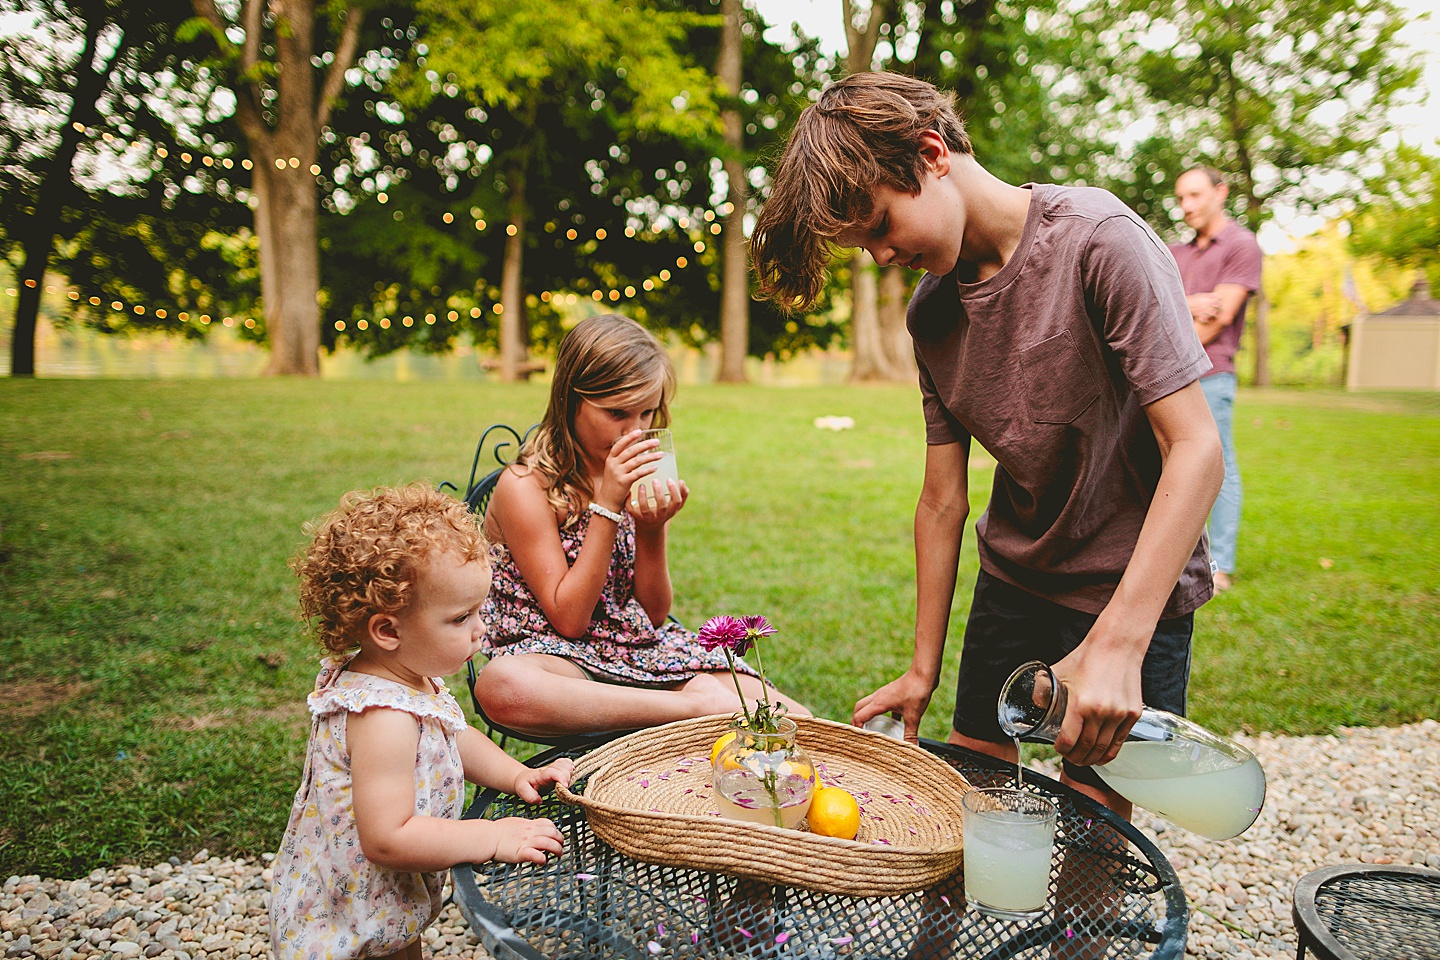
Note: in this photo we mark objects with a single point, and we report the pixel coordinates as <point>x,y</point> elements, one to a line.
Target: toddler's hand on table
<point>528,783</point>
<point>526,841</point>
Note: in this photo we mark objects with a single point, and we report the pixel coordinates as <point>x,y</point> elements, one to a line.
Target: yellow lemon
<point>834,813</point>
<point>720,745</point>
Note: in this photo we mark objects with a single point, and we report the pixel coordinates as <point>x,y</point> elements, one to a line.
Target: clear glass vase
<point>764,777</point>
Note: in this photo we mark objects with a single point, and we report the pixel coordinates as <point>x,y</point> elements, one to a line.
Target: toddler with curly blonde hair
<point>393,581</point>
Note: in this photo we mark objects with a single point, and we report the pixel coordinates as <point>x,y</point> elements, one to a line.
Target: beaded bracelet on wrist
<point>605,512</point>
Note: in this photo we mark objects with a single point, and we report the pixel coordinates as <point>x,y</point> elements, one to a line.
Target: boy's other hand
<point>909,693</point>
<point>526,841</point>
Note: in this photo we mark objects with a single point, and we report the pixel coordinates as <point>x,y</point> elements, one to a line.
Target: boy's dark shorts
<point>1008,627</point>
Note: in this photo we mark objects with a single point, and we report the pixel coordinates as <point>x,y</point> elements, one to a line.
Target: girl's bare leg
<point>546,695</point>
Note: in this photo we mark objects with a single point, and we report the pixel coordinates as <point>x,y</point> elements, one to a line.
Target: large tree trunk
<point>292,315</point>
<point>1253,215</point>
<point>292,310</point>
<point>1262,340</point>
<point>734,275</point>
<point>894,338</point>
<point>866,339</point>
<point>37,231</point>
<point>287,206</point>
<point>512,283</point>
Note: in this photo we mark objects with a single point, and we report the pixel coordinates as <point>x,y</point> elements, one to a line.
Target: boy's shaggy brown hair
<point>863,132</point>
<point>365,556</point>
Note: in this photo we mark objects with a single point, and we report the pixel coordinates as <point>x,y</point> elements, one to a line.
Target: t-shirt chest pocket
<point>1059,382</point>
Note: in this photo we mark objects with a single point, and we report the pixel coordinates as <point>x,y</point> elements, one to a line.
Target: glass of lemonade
<point>1009,841</point>
<point>653,487</point>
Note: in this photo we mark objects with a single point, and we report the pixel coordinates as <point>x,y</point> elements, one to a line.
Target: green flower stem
<point>760,665</point>
<point>772,789</point>
<point>736,677</point>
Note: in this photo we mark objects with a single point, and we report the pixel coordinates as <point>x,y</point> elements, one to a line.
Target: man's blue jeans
<point>1225,516</point>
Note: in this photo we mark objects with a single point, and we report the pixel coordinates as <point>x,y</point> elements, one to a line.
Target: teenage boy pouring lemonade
<point>1051,326</point>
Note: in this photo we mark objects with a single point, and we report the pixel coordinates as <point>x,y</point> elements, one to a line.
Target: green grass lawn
<point>153,674</point>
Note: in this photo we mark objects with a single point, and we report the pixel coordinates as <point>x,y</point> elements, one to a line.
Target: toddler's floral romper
<point>328,901</point>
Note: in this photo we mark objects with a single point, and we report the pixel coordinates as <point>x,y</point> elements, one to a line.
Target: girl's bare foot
<point>710,695</point>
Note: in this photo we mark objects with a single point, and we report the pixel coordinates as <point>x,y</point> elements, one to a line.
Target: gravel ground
<point>1367,795</point>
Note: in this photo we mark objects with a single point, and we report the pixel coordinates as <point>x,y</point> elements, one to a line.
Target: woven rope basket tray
<point>649,795</point>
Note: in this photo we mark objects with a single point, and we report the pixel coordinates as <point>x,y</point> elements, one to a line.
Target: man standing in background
<point>1221,268</point>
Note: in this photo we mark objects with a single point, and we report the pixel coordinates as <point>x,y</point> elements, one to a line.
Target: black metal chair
<point>477,498</point>
<point>1355,911</point>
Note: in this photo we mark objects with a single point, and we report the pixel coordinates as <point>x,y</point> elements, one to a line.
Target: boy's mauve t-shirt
<point>1048,363</point>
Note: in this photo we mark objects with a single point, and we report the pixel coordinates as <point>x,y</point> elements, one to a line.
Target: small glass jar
<point>764,777</point>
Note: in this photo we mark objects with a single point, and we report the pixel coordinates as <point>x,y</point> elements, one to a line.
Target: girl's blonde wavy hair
<point>365,556</point>
<point>605,357</point>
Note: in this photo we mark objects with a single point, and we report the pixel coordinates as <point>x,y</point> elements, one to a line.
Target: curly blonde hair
<point>862,133</point>
<point>605,357</point>
<point>364,557</point>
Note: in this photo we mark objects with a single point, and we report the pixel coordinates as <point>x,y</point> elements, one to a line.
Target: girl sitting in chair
<point>578,638</point>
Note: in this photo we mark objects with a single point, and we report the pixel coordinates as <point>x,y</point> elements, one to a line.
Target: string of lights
<point>613,295</point>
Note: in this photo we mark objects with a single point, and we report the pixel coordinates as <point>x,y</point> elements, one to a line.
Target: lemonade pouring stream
<point>762,775</point>
<point>1169,765</point>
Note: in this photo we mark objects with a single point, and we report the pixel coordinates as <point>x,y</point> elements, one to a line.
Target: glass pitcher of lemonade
<point>1170,766</point>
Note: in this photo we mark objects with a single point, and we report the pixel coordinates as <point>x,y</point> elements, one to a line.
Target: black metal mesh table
<point>1368,912</point>
<point>1113,894</point>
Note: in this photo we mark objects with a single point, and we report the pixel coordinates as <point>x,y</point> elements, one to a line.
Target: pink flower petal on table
<point>874,922</point>
<point>659,929</point>
<point>687,790</point>
<point>944,899</point>
<point>745,933</point>
<point>1069,934</point>
<point>782,937</point>
<point>695,934</point>
<point>653,947</point>
<point>841,941</point>
<point>584,876</point>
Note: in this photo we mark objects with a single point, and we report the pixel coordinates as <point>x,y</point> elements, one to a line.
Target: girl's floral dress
<point>328,901</point>
<point>622,645</point>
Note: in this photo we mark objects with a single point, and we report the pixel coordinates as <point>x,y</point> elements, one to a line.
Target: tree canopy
<point>482,172</point>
